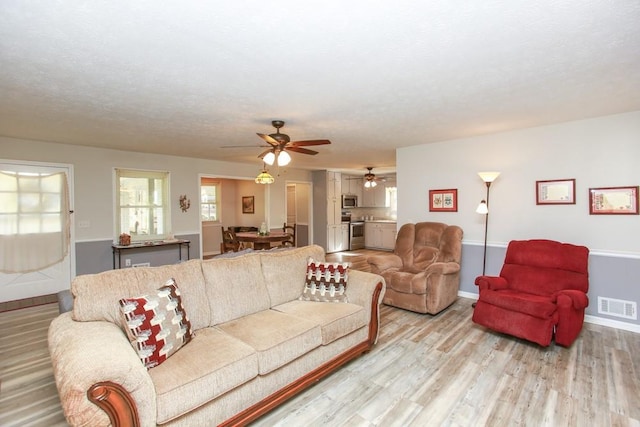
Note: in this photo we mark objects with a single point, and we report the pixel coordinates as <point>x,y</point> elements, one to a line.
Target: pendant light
<point>264,177</point>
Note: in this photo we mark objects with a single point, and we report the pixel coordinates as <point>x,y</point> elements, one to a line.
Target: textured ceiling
<point>188,77</point>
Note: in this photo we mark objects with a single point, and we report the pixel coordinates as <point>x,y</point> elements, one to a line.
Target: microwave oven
<point>349,201</point>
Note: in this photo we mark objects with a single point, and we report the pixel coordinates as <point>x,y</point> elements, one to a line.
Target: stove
<point>356,235</point>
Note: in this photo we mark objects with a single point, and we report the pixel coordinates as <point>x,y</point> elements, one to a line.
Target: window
<point>142,204</point>
<point>34,221</point>
<point>391,200</point>
<point>209,199</point>
<point>32,203</point>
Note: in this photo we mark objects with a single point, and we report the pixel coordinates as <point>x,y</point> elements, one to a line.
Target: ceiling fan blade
<point>309,142</point>
<point>243,146</point>
<point>268,139</point>
<point>301,150</point>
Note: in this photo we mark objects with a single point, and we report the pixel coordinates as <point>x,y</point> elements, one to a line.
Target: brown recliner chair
<point>423,272</point>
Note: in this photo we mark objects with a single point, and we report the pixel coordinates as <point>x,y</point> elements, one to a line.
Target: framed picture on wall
<point>613,201</point>
<point>443,200</point>
<point>556,192</point>
<point>248,206</point>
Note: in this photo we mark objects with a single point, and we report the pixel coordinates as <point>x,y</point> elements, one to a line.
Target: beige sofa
<point>255,343</point>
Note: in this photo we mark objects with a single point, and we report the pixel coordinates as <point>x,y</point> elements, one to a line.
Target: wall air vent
<point>618,308</point>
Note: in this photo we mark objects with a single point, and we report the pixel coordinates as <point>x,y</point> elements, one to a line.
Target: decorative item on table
<point>125,239</point>
<point>185,203</point>
<point>263,230</point>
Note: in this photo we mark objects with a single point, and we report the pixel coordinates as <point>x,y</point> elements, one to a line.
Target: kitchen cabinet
<point>327,202</point>
<point>353,184</point>
<point>334,198</point>
<point>380,235</point>
<point>337,238</point>
<point>374,197</point>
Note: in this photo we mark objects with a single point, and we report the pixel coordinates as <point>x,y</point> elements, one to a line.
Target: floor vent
<point>618,308</point>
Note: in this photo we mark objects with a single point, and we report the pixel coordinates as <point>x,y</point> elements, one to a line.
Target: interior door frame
<point>68,168</point>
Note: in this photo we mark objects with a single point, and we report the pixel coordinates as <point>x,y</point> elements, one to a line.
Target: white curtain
<point>34,221</point>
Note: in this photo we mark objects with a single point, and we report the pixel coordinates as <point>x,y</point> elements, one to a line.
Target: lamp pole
<point>488,178</point>
<point>486,229</point>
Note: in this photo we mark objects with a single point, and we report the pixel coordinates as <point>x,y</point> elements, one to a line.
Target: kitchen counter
<point>383,221</point>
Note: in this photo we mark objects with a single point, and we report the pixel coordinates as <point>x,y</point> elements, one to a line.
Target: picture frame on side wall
<point>556,192</point>
<point>248,206</point>
<point>443,200</point>
<point>613,201</point>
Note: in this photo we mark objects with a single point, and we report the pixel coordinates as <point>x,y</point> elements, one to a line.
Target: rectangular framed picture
<point>556,192</point>
<point>443,200</point>
<point>247,205</point>
<point>613,201</point>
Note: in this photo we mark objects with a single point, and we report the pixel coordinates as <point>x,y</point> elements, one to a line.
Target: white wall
<point>600,152</point>
<point>93,168</point>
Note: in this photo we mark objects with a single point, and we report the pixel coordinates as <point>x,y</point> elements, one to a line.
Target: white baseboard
<point>612,323</point>
<point>616,324</point>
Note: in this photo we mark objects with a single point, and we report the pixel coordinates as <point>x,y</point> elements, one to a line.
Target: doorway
<point>299,210</point>
<point>57,276</point>
<point>227,209</point>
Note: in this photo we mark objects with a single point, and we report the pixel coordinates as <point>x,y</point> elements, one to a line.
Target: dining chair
<point>229,241</point>
<point>291,231</point>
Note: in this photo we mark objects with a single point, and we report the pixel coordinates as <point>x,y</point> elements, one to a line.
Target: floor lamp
<point>483,208</point>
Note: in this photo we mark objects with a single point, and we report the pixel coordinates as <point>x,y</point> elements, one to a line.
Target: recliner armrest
<point>491,282</point>
<point>381,263</point>
<point>575,298</point>
<point>442,268</point>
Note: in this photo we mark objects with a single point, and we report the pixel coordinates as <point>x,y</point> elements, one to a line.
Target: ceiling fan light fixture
<point>283,158</point>
<point>269,158</point>
<point>370,179</point>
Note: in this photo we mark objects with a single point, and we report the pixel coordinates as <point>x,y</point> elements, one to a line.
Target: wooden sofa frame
<point>122,411</point>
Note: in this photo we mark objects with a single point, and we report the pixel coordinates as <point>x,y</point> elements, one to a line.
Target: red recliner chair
<point>541,291</point>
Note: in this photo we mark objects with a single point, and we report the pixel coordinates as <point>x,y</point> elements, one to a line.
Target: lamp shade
<point>264,178</point>
<point>488,176</point>
<point>482,208</point>
<point>269,158</point>
<point>283,158</point>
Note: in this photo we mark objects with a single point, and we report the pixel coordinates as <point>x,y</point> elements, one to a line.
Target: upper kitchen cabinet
<point>377,197</point>
<point>353,185</point>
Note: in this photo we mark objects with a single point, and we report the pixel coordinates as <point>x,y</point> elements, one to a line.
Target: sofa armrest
<point>87,353</point>
<point>367,290</point>
<point>491,282</point>
<point>382,263</point>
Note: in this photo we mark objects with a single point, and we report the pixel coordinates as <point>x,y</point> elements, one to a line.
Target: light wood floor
<point>424,371</point>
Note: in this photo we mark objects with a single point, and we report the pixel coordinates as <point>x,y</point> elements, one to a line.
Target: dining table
<point>262,241</point>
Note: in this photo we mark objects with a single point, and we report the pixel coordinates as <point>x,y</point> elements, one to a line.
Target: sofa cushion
<point>277,337</point>
<point>212,364</point>
<point>284,271</point>
<point>325,281</point>
<point>335,320</point>
<point>96,296</point>
<point>235,287</point>
<point>157,324</point>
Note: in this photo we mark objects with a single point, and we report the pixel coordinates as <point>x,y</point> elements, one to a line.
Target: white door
<point>50,280</point>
